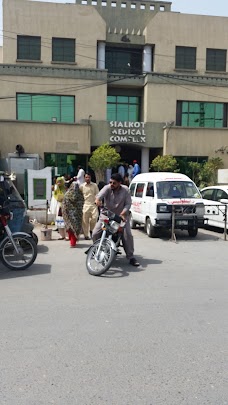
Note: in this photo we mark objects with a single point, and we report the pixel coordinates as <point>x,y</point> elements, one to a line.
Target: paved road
<point>156,335</point>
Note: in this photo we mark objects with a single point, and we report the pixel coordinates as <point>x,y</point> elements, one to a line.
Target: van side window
<point>139,190</point>
<point>150,190</point>
<point>132,189</point>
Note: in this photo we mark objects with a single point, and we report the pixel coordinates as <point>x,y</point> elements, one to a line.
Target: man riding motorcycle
<point>116,198</point>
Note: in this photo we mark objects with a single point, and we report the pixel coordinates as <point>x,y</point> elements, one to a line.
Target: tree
<point>196,169</point>
<point>103,158</point>
<point>166,163</point>
<point>209,172</point>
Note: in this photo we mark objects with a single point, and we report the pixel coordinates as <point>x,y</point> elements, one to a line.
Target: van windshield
<point>177,189</point>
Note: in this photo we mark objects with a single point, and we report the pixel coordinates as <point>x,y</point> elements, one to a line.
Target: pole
<point>173,236</point>
<point>46,225</point>
<point>225,226</point>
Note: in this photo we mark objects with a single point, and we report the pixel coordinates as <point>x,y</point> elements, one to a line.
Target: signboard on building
<point>127,132</point>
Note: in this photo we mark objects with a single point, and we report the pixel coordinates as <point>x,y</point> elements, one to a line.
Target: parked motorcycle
<point>19,221</point>
<point>102,253</point>
<point>18,250</point>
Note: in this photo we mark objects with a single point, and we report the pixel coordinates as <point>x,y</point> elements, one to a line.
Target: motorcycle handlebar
<point>111,215</point>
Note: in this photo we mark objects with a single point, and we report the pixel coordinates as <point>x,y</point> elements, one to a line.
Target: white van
<point>154,195</point>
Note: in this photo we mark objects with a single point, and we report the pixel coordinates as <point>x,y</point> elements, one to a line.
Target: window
<point>185,57</point>
<point>197,114</point>
<point>139,190</point>
<point>123,108</point>
<point>122,60</point>
<point>28,48</point>
<point>208,194</point>
<point>40,107</point>
<point>220,194</point>
<point>63,50</point>
<point>132,189</point>
<point>216,60</point>
<point>177,189</point>
<point>150,190</point>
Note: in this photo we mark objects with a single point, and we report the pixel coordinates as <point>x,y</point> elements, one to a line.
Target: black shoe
<point>134,262</point>
<point>87,238</point>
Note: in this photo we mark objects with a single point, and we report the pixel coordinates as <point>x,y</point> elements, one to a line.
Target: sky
<point>209,7</point>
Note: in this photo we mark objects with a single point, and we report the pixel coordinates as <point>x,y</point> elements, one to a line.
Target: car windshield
<point>177,189</point>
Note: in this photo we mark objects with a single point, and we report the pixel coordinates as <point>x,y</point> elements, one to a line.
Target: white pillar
<point>147,58</point>
<point>145,160</point>
<point>101,55</point>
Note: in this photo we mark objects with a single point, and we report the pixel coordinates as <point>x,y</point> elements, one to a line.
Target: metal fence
<point>215,209</point>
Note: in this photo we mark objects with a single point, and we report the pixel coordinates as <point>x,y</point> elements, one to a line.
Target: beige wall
<point>40,138</point>
<point>53,20</point>
<point>161,99</point>
<point>90,101</point>
<point>196,142</point>
<point>168,30</point>
<point>1,54</point>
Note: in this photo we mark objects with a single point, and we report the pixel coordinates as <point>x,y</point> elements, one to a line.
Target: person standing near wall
<point>90,211</point>
<point>136,169</point>
<point>80,176</point>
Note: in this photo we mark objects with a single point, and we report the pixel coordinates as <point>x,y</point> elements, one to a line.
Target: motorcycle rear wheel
<point>26,256</point>
<point>98,266</point>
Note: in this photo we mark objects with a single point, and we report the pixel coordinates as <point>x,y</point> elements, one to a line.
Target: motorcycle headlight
<point>162,208</point>
<point>114,226</point>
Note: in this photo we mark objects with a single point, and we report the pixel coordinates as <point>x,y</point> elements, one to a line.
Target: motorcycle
<point>19,221</point>
<point>102,253</point>
<point>18,250</point>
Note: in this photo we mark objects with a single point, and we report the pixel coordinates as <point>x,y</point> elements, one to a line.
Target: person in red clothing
<point>72,207</point>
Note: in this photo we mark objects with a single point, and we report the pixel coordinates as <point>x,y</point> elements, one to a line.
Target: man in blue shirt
<point>136,169</point>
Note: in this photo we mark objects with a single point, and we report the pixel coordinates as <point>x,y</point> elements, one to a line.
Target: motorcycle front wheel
<point>98,264</point>
<point>27,252</point>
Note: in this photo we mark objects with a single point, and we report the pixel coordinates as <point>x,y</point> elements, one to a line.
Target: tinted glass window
<point>28,47</point>
<point>220,194</point>
<point>63,50</point>
<point>42,107</point>
<point>208,194</point>
<point>216,60</point>
<point>185,57</point>
<point>123,108</point>
<point>132,188</point>
<point>196,114</point>
<point>150,190</point>
<point>139,190</point>
<point>122,60</point>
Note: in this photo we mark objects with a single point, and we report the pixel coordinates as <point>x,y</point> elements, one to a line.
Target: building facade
<point>131,73</point>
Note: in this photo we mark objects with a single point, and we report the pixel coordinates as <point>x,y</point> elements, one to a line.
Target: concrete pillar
<point>147,58</point>
<point>145,160</point>
<point>101,55</point>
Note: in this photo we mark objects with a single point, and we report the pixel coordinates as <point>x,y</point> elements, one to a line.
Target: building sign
<point>124,132</point>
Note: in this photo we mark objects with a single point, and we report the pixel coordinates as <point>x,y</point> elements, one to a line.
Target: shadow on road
<point>124,269</point>
<point>42,248</point>
<point>203,235</point>
<point>34,270</point>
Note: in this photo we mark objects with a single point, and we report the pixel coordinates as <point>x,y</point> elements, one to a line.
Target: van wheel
<point>192,232</point>
<point>150,229</point>
<point>132,222</point>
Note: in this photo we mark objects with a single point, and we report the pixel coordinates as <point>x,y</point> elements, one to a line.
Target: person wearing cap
<point>136,169</point>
